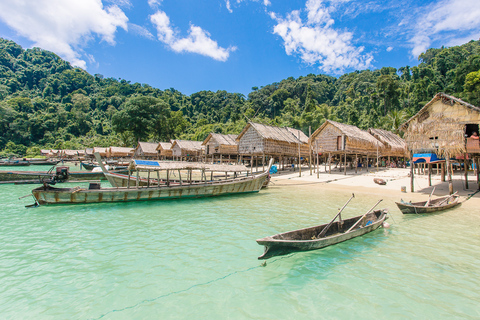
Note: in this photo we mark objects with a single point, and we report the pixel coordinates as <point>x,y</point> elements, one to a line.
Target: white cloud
<point>317,42</point>
<point>228,4</point>
<point>389,49</point>
<point>154,3</point>
<point>450,21</point>
<point>141,31</point>
<point>197,41</point>
<point>63,26</point>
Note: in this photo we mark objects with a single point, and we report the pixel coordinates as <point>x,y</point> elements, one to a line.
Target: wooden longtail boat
<point>439,204</point>
<point>161,189</point>
<point>313,238</point>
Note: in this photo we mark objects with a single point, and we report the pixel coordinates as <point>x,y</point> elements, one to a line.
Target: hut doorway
<point>470,129</point>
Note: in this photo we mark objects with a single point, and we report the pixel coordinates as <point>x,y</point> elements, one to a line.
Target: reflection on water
<point>198,258</point>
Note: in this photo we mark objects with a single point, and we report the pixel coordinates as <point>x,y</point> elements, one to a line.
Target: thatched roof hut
<point>187,148</point>
<point>120,152</point>
<point>261,139</point>
<point>441,126</point>
<point>224,144</point>
<point>164,150</point>
<point>393,145</point>
<point>338,138</point>
<point>146,150</point>
<point>102,151</point>
<point>72,154</point>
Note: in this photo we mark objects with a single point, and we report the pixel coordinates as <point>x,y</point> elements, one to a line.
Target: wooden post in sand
<point>429,174</point>
<point>449,174</point>
<point>477,162</point>
<point>345,170</point>
<point>356,163</point>
<point>310,148</point>
<point>465,168</point>
<point>329,163</point>
<point>411,175</point>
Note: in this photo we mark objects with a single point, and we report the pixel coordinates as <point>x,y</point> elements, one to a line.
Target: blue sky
<point>235,45</point>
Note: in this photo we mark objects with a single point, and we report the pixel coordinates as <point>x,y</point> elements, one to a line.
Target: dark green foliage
<point>46,102</point>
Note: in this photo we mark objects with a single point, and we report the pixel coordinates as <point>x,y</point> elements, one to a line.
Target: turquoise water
<point>197,259</point>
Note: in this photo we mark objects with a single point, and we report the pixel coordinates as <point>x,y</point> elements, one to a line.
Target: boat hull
<point>50,195</point>
<point>305,239</point>
<point>419,207</point>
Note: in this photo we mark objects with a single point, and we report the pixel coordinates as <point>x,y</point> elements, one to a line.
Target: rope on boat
<point>189,288</point>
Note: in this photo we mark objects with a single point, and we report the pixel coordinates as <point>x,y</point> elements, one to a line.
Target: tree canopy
<point>45,102</point>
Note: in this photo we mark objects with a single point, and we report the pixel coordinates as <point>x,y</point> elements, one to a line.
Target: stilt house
<point>164,150</point>
<point>260,139</point>
<point>102,151</point>
<point>220,146</point>
<point>334,139</point>
<point>187,150</point>
<point>119,152</point>
<point>446,126</point>
<point>146,150</point>
<point>393,145</point>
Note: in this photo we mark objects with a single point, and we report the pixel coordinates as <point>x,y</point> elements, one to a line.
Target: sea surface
<point>197,259</point>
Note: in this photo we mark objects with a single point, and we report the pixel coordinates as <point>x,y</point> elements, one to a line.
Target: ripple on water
<point>198,259</point>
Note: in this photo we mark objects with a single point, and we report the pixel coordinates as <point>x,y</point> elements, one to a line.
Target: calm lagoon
<point>197,259</point>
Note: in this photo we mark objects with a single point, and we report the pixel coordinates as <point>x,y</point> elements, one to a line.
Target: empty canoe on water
<point>312,238</point>
<point>439,204</point>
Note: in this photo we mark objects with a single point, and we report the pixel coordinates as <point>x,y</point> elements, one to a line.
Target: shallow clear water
<point>198,259</point>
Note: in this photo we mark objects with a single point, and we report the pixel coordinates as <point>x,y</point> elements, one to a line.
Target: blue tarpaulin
<point>426,157</point>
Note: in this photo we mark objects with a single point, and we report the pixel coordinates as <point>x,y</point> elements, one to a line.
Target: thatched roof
<point>439,126</point>
<point>446,99</point>
<point>101,150</point>
<point>221,139</point>
<point>285,134</point>
<point>164,146</point>
<point>121,150</point>
<point>355,135</point>
<point>147,147</point>
<point>188,145</point>
<point>392,142</point>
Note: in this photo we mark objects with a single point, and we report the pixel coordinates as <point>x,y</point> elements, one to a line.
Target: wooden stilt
<point>443,171</point>
<point>429,174</point>
<point>449,174</point>
<point>356,163</point>
<point>412,171</point>
<point>465,168</point>
<point>345,169</point>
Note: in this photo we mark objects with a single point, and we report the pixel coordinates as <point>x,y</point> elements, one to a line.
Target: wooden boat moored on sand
<point>439,204</point>
<point>323,235</point>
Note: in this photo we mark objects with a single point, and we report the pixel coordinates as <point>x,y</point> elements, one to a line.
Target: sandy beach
<point>363,182</point>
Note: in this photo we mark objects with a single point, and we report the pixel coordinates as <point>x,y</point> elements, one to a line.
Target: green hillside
<point>46,103</point>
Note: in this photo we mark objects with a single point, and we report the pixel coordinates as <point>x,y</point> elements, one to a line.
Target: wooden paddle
<point>446,199</point>
<point>429,198</point>
<point>322,233</point>
<point>351,228</point>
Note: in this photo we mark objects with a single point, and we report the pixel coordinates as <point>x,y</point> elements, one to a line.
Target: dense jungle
<point>46,103</point>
